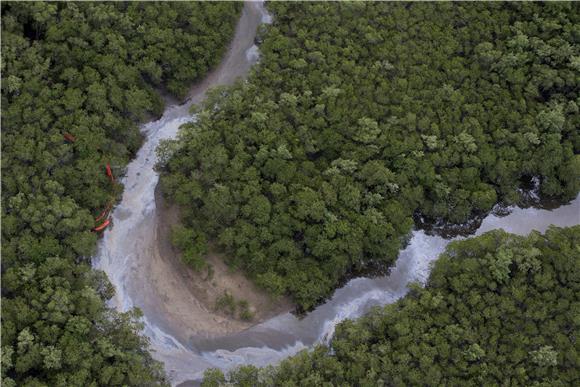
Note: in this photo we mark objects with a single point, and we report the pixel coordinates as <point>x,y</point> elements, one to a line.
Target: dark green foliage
<point>363,114</point>
<point>92,70</point>
<point>498,309</point>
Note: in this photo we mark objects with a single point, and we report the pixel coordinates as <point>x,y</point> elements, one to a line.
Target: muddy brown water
<point>129,254</point>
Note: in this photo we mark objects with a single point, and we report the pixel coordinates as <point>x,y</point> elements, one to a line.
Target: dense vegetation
<point>362,115</point>
<point>498,309</point>
<point>90,70</point>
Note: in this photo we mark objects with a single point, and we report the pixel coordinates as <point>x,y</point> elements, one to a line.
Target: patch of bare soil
<point>230,301</point>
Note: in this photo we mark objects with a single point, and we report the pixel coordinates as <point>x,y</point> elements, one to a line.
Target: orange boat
<point>110,173</point>
<point>105,212</point>
<point>102,226</point>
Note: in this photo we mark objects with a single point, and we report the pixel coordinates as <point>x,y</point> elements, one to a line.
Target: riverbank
<point>206,289</point>
<point>129,252</point>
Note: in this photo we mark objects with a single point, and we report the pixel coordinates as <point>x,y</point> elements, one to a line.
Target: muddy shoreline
<point>529,197</point>
<point>136,254</point>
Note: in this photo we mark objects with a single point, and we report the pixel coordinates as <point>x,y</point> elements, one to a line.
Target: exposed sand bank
<point>202,316</point>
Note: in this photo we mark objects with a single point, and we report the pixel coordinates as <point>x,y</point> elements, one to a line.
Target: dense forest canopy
<point>90,72</point>
<point>498,309</point>
<point>361,115</point>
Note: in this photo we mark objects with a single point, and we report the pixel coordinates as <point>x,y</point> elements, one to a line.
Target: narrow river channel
<point>129,254</point>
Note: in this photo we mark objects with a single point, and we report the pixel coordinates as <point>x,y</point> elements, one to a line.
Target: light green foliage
<point>312,169</point>
<point>89,69</point>
<point>474,352</point>
<point>213,377</point>
<point>226,303</point>
<point>245,313</point>
<point>500,265</point>
<point>457,331</point>
<point>545,356</point>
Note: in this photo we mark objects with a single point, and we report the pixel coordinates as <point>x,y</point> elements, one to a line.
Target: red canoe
<point>105,212</point>
<point>110,173</point>
<point>102,226</point>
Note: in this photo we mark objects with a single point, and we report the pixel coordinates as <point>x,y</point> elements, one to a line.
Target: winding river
<point>129,254</point>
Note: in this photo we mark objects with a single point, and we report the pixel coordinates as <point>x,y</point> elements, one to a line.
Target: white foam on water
<point>253,54</point>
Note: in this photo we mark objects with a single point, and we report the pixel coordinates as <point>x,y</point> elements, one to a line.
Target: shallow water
<point>128,249</point>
